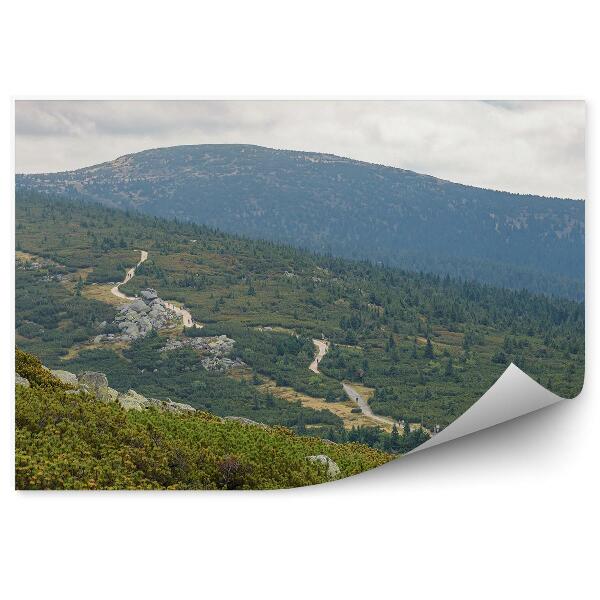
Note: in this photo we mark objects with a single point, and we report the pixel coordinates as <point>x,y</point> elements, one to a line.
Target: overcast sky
<point>529,147</point>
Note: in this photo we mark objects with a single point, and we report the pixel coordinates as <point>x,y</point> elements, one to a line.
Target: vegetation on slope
<point>349,208</point>
<point>428,346</point>
<point>72,441</point>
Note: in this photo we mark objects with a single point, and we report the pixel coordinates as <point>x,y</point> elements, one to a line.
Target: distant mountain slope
<point>349,208</point>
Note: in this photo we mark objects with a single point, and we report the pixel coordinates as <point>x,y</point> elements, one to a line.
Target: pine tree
<point>429,353</point>
<point>395,439</point>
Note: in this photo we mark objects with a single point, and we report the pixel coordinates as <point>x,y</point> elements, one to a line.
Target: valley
<point>328,347</point>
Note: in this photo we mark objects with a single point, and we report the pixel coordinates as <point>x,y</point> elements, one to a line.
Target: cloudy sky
<point>529,147</point>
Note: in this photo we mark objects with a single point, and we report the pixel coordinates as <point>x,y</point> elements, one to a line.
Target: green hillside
<point>73,441</point>
<point>422,348</point>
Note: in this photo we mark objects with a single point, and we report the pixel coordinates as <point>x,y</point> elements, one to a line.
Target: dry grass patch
<point>102,293</point>
<point>340,409</point>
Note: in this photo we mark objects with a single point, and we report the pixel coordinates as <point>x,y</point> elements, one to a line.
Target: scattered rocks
<point>220,363</point>
<point>217,348</point>
<point>218,345</point>
<point>138,318</point>
<point>96,383</point>
<point>133,400</point>
<point>246,421</point>
<point>55,277</point>
<point>333,471</point>
<point>21,380</point>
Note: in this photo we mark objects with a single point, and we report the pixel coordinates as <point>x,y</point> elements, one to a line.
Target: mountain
<point>348,208</point>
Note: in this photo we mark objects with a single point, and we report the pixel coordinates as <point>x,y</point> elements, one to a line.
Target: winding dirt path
<point>366,409</point>
<point>185,315</point>
<point>130,273</point>
<point>322,349</point>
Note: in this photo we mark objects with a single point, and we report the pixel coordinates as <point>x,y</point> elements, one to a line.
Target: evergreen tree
<point>394,439</point>
<point>429,353</point>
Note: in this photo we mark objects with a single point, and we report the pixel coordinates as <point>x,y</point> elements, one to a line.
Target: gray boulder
<point>93,380</point>
<point>65,376</point>
<point>133,401</point>
<point>149,294</point>
<point>246,421</point>
<point>97,383</point>
<point>333,471</point>
<point>138,305</point>
<point>179,407</point>
<point>21,380</point>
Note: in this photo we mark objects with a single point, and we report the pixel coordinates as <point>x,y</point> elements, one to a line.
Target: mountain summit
<point>348,208</point>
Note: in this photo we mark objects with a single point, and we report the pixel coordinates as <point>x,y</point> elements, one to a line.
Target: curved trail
<point>366,409</point>
<point>322,349</point>
<point>182,312</point>
<point>130,273</point>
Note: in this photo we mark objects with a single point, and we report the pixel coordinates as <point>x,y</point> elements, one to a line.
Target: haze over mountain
<point>349,208</point>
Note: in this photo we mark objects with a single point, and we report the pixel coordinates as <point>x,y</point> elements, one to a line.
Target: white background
<point>511,512</point>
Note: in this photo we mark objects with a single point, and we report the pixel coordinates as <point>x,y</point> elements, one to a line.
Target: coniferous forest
<point>419,348</point>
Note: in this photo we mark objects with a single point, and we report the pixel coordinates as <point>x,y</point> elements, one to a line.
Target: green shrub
<point>71,441</point>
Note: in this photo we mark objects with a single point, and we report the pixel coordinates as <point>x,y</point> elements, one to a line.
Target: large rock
<point>21,381</point>
<point>97,384</point>
<point>131,330</point>
<point>138,306</point>
<point>109,395</point>
<point>93,380</point>
<point>149,294</point>
<point>333,471</point>
<point>178,407</point>
<point>133,401</point>
<point>246,421</point>
<point>65,376</point>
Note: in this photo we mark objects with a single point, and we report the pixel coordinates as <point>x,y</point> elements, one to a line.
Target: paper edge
<point>514,394</point>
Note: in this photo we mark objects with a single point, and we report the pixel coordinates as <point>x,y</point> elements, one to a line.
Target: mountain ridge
<point>348,208</point>
<point>305,152</point>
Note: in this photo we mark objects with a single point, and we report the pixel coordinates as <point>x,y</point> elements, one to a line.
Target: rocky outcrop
<point>216,348</point>
<point>21,380</point>
<point>93,382</point>
<point>138,318</point>
<point>97,384</point>
<point>133,400</point>
<point>217,345</point>
<point>220,363</point>
<point>65,376</point>
<point>333,471</point>
<point>246,421</point>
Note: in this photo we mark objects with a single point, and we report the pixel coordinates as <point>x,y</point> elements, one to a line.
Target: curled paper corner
<point>514,394</point>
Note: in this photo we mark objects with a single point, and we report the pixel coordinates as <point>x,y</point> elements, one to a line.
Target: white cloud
<point>530,147</point>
